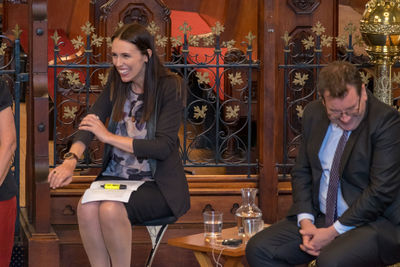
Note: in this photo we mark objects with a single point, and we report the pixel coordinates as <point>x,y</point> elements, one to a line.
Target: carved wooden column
<point>268,182</point>
<point>297,17</point>
<point>38,116</point>
<point>42,241</point>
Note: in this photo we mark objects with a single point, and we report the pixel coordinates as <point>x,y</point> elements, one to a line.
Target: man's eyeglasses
<point>336,114</point>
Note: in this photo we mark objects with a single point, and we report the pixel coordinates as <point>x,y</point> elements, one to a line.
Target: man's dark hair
<point>335,77</point>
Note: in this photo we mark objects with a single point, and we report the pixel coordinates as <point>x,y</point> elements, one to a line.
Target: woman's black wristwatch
<point>71,155</point>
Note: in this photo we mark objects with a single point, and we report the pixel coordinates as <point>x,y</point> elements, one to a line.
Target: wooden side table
<point>233,255</point>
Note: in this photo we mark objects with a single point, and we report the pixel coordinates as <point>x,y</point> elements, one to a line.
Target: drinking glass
<point>212,224</point>
<point>252,226</point>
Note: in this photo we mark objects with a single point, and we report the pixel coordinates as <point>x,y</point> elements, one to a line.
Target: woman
<point>143,102</point>
<point>8,187</point>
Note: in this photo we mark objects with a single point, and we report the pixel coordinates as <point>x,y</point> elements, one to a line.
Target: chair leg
<point>156,234</point>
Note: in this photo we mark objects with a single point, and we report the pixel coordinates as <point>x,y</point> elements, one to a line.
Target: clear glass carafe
<point>248,209</point>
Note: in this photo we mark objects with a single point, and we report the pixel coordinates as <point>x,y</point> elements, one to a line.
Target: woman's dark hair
<point>154,71</point>
<point>335,77</point>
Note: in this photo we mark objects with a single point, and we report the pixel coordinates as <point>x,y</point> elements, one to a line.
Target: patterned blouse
<point>124,164</point>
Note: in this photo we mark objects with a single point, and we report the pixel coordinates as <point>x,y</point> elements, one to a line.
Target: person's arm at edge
<point>8,141</point>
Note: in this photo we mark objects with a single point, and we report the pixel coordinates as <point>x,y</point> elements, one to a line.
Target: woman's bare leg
<point>117,232</point>
<point>91,234</point>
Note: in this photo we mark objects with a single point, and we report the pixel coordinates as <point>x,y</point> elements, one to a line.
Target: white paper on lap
<point>97,193</point>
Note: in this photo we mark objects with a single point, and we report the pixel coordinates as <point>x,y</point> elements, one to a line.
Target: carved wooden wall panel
<point>15,12</point>
<point>303,6</point>
<point>69,16</point>
<point>238,16</point>
<point>105,16</point>
<point>185,5</point>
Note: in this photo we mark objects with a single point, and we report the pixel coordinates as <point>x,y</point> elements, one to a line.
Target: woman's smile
<point>129,61</point>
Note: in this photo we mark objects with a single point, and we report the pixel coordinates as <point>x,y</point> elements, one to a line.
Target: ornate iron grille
<point>218,127</point>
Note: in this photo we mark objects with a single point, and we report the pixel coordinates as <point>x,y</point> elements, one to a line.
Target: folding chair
<point>156,229</point>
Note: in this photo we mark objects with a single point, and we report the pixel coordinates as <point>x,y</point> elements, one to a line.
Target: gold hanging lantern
<point>380,28</point>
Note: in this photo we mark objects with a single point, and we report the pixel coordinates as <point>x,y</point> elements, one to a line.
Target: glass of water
<point>212,224</point>
<point>252,226</point>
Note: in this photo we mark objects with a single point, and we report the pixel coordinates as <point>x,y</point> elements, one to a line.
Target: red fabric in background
<point>65,46</point>
<point>198,26</point>
<point>8,214</point>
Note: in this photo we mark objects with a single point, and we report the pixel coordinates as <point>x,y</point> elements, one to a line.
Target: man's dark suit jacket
<point>369,168</point>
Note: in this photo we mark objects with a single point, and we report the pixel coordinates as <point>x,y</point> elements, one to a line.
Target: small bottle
<point>248,209</point>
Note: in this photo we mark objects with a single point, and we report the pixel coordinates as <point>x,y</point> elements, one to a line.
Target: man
<point>354,139</point>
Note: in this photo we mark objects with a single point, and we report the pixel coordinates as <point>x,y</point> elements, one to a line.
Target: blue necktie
<point>331,198</point>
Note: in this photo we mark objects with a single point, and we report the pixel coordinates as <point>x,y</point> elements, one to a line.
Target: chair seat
<point>159,221</point>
